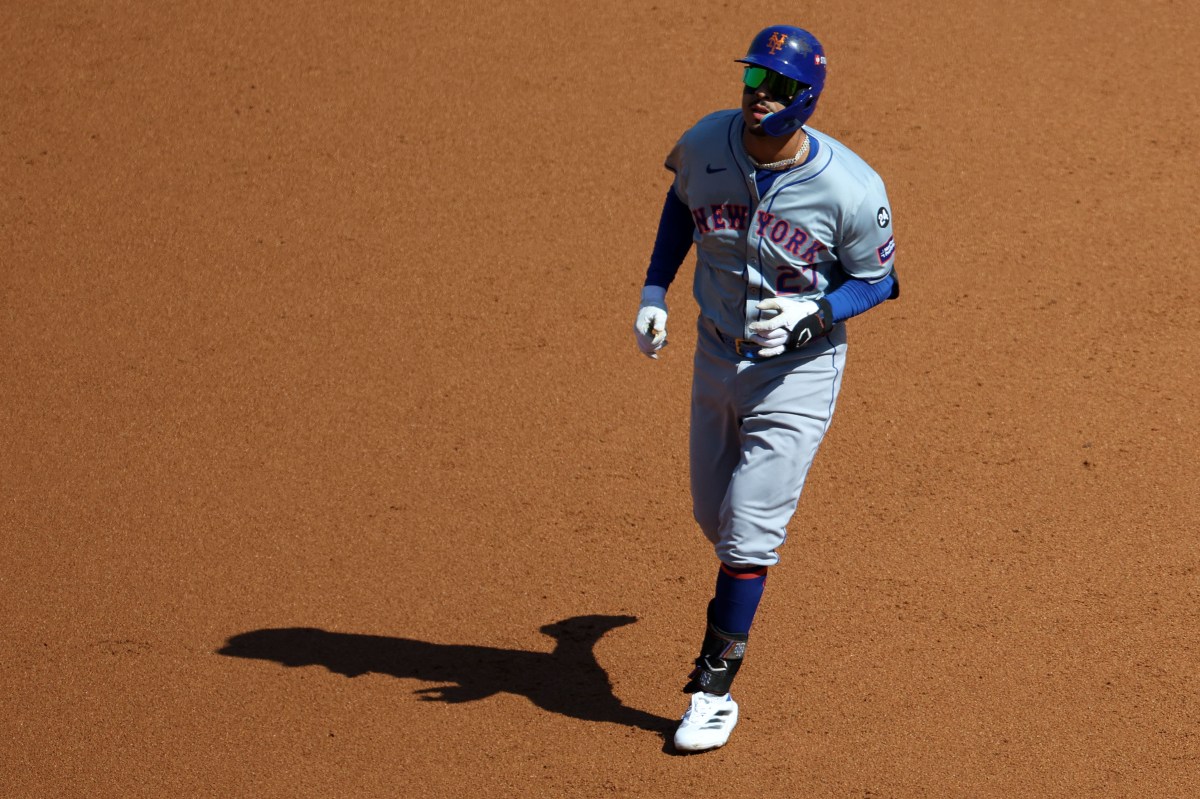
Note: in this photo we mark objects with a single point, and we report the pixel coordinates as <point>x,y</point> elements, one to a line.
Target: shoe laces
<point>704,704</point>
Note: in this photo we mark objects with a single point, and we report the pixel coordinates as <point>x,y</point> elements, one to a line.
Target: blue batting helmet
<point>794,53</point>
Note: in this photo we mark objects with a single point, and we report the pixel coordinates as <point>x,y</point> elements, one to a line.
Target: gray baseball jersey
<point>817,223</point>
<point>756,424</point>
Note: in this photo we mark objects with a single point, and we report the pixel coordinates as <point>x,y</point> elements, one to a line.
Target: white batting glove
<point>795,323</point>
<point>650,328</point>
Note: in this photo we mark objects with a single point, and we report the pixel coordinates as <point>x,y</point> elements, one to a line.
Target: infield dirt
<point>331,468</point>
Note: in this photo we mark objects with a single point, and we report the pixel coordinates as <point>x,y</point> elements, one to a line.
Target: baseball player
<point>793,236</point>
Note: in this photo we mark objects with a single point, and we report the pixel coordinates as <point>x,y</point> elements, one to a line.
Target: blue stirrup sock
<point>739,590</point>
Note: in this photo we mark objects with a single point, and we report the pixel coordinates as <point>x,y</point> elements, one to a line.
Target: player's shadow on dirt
<point>568,680</point>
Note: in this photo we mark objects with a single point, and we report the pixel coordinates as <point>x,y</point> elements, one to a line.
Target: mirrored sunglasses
<point>781,87</point>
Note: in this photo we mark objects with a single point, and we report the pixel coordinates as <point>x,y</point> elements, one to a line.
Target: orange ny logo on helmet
<point>776,42</point>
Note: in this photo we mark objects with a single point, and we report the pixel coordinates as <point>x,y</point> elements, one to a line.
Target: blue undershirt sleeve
<point>675,228</point>
<point>857,295</point>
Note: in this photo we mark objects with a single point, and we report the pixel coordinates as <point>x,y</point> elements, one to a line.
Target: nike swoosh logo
<point>711,171</point>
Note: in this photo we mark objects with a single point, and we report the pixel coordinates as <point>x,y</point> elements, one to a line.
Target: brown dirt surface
<point>331,468</point>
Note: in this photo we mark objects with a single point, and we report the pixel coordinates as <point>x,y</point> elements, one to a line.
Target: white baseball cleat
<point>707,723</point>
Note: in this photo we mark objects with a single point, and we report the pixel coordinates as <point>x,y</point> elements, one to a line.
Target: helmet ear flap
<point>792,118</point>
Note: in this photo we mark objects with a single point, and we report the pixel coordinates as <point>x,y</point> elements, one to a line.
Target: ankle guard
<point>719,661</point>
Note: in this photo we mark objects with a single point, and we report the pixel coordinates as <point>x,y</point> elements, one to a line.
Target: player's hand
<point>795,323</point>
<point>650,328</point>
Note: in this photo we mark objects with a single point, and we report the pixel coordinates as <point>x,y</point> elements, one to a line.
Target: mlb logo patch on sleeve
<point>887,250</point>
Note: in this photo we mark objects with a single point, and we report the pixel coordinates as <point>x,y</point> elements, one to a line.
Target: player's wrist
<point>815,324</point>
<point>824,313</point>
<point>654,295</point>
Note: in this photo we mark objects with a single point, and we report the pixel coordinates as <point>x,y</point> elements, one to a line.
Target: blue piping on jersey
<point>798,180</point>
<point>781,186</point>
<point>833,387</point>
<point>729,141</point>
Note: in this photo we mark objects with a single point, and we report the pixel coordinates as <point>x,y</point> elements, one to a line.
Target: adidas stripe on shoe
<point>707,723</point>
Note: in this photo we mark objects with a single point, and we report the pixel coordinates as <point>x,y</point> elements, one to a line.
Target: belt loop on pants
<point>747,348</point>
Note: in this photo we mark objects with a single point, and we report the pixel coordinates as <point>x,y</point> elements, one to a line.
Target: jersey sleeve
<point>867,249</point>
<point>694,142</point>
<point>674,164</point>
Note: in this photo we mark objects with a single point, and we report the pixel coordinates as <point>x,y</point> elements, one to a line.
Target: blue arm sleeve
<point>855,296</point>
<point>674,239</point>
